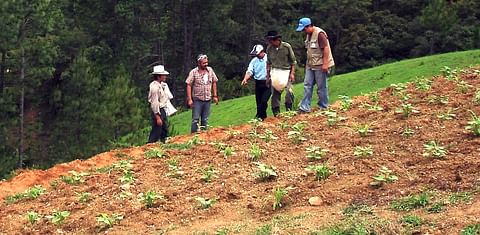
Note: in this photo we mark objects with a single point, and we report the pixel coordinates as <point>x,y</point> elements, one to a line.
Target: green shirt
<point>281,57</point>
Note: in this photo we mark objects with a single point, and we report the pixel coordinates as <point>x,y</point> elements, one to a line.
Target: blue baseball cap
<point>302,23</point>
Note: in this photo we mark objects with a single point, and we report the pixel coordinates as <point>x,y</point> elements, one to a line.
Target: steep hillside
<point>413,139</point>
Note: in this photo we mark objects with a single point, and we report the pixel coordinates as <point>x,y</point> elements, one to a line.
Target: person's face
<point>161,77</point>
<point>308,29</point>
<point>275,42</point>
<point>261,55</point>
<point>203,63</point>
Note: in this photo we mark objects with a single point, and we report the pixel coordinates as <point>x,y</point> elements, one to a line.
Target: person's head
<point>258,51</point>
<point>159,73</point>
<point>305,25</point>
<point>274,38</point>
<point>202,61</point>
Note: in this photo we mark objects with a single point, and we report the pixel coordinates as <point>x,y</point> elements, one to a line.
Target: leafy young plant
<point>434,99</point>
<point>398,89</point>
<point>155,153</point>
<point>74,178</point>
<point>208,173</point>
<point>31,193</point>
<point>83,196</point>
<point>127,177</point>
<point>108,221</point>
<point>321,172</point>
<point>205,203</point>
<point>407,132</point>
<point>315,153</point>
<point>372,107</point>
<point>268,136</point>
<point>32,217</point>
<point>435,150</point>
<point>255,152</point>
<point>474,124</point>
<point>332,117</point>
<point>411,220</point>
<point>279,194</point>
<point>58,217</point>
<point>149,198</point>
<point>228,151</point>
<point>345,102</point>
<point>463,86</point>
<point>423,83</point>
<point>363,129</point>
<point>360,151</point>
<point>255,123</point>
<point>385,175</point>
<point>447,115</point>
<point>265,172</point>
<point>471,229</point>
<point>296,134</point>
<point>174,170</point>
<point>406,110</point>
<point>448,73</point>
<point>476,98</point>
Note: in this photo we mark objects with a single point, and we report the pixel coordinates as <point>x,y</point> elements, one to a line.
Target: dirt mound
<point>417,132</point>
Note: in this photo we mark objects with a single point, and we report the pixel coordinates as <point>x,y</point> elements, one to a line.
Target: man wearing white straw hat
<point>158,98</point>
<point>280,70</point>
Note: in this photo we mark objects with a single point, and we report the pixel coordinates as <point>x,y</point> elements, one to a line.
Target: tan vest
<point>314,52</point>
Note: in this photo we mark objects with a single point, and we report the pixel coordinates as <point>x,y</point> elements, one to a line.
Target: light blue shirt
<point>258,68</point>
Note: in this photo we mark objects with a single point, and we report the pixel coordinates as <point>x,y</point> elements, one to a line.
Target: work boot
<point>275,111</point>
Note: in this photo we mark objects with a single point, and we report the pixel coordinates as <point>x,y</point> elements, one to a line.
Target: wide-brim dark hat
<point>272,35</point>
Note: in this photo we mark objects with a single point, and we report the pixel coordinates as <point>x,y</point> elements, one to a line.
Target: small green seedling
<point>372,107</point>
<point>398,89</point>
<point>255,152</point>
<point>332,117</point>
<point>107,221</point>
<point>321,172</point>
<point>374,96</point>
<point>363,129</point>
<point>360,151</point>
<point>268,136</point>
<point>74,178</point>
<point>411,202</point>
<point>447,115</point>
<point>474,124</point>
<point>208,173</point>
<point>435,150</point>
<point>31,193</point>
<point>149,198</point>
<point>434,99</point>
<point>155,153</point>
<point>463,86</point>
<point>449,74</point>
<point>406,110</point>
<point>345,102</point>
<point>174,170</point>
<point>83,197</point>
<point>265,172</point>
<point>205,203</point>
<point>315,153</point>
<point>423,84</point>
<point>279,194</point>
<point>476,98</point>
<point>407,132</point>
<point>385,175</point>
<point>58,217</point>
<point>33,217</point>
<point>412,220</point>
<point>228,151</point>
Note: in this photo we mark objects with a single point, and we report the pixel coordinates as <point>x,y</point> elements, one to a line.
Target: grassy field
<point>237,111</point>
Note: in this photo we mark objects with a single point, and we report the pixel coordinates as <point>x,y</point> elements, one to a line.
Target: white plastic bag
<point>279,78</point>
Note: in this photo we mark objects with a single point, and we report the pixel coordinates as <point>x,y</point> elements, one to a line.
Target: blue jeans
<point>200,112</point>
<point>320,78</point>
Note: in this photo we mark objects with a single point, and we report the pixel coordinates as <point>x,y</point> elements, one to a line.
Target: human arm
<point>323,42</point>
<point>269,68</point>
<point>189,95</point>
<point>293,61</point>
<point>214,92</point>
<point>249,73</point>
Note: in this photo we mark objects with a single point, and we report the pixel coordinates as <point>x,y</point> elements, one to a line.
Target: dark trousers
<point>159,132</point>
<point>276,97</point>
<point>262,94</point>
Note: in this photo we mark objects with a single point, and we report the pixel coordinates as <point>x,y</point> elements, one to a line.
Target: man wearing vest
<point>318,65</point>
<point>281,66</point>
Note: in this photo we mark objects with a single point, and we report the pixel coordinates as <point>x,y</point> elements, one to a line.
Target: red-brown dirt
<point>244,203</point>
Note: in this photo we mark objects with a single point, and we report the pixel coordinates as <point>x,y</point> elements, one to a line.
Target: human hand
<point>158,120</point>
<point>190,103</point>
<point>244,82</point>
<point>325,68</point>
<point>292,77</point>
<point>215,99</point>
<point>269,82</point>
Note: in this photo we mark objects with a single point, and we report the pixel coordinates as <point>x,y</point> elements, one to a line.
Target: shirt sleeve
<point>291,55</point>
<point>214,76</point>
<point>250,67</point>
<point>322,40</point>
<point>189,79</point>
<point>154,99</point>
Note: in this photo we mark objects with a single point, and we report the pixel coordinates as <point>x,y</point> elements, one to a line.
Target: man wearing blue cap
<point>318,65</point>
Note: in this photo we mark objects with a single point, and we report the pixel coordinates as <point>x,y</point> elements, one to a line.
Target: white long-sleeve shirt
<point>157,97</point>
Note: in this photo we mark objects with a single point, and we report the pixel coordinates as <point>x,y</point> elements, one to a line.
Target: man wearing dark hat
<point>280,70</point>
<point>158,98</point>
<point>318,65</point>
<point>257,69</point>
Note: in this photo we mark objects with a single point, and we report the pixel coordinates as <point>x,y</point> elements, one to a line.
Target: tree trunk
<point>22,110</point>
<point>2,71</point>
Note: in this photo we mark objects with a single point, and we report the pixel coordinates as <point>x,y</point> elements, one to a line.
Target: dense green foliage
<point>74,74</point>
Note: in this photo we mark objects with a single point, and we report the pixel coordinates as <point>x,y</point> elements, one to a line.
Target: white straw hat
<point>159,69</point>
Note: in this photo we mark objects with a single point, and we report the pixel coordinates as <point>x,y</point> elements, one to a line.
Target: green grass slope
<point>238,111</point>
